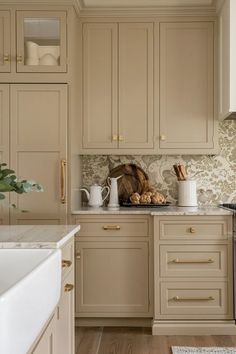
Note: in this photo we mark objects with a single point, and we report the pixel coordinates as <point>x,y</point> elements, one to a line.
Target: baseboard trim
<point>193,328</point>
<point>113,322</point>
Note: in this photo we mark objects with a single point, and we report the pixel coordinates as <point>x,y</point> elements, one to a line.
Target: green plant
<point>10,183</point>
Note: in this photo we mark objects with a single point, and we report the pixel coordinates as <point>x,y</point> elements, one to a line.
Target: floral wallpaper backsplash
<point>215,175</point>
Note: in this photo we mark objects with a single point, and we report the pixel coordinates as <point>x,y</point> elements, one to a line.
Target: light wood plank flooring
<point>113,340</point>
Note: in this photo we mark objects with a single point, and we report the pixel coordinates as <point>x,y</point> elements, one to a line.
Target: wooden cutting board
<point>134,180</point>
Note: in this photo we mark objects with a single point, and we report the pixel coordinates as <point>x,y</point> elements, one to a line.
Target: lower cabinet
<point>193,270</point>
<point>65,317</point>
<point>58,336</point>
<point>113,267</point>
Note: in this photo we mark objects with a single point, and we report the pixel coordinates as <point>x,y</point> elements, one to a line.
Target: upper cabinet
<point>149,87</point>
<point>227,60</point>
<point>41,41</point>
<point>35,42</point>
<point>187,121</point>
<point>117,87</point>
<point>5,41</point>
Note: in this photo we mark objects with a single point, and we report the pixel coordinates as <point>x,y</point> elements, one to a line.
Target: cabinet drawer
<point>196,299</point>
<point>114,226</point>
<point>67,258</point>
<point>188,261</point>
<point>193,228</point>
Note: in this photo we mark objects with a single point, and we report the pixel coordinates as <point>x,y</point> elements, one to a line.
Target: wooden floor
<point>113,340</point>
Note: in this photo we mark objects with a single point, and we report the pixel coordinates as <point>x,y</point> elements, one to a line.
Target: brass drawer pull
<point>111,227</point>
<point>179,261</point>
<point>65,263</point>
<point>77,255</point>
<point>179,299</point>
<point>192,230</point>
<point>68,287</point>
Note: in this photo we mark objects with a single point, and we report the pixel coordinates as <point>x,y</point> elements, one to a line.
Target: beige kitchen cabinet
<point>65,332</point>
<point>193,270</point>
<point>187,67</point>
<point>38,149</point>
<point>41,41</point>
<point>227,59</point>
<point>58,336</point>
<point>4,146</point>
<point>5,53</point>
<point>117,87</point>
<point>36,41</point>
<point>113,267</point>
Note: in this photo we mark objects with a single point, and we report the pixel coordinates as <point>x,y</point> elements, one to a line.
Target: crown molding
<point>148,12</point>
<point>163,10</point>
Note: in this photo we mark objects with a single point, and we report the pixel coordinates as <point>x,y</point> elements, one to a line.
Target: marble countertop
<point>36,236</point>
<point>169,210</point>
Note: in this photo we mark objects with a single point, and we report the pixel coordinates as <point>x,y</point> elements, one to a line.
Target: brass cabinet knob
<point>77,255</point>
<point>114,137</point>
<point>6,58</point>
<point>65,263</point>
<point>192,230</point>
<point>162,137</point>
<point>121,138</point>
<point>19,59</point>
<point>68,287</point>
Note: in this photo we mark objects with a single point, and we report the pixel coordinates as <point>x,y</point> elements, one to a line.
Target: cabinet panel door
<point>38,148</point>
<point>100,85</point>
<point>4,146</point>
<point>112,279</point>
<point>65,318</point>
<point>136,85</point>
<point>186,86</point>
<point>5,41</point>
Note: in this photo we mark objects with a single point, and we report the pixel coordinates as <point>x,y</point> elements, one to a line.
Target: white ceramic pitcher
<point>114,198</point>
<point>95,198</point>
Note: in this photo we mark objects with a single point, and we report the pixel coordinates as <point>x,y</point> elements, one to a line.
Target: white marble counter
<point>36,236</point>
<point>169,210</point>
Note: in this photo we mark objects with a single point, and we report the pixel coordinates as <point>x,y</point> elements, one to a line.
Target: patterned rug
<point>203,350</point>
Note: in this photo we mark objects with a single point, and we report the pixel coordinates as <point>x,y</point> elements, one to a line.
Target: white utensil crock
<point>187,193</point>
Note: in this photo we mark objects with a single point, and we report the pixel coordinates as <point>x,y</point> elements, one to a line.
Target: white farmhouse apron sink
<point>30,284</point>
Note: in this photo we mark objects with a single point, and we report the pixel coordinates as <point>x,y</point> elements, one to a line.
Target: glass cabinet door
<point>41,41</point>
<point>5,41</point>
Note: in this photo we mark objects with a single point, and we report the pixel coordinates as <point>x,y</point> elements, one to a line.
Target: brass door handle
<point>179,261</point>
<point>68,287</point>
<point>65,263</point>
<point>111,227</point>
<point>178,298</point>
<point>63,181</point>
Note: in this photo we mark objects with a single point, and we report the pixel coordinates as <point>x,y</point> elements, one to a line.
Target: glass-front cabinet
<point>41,41</point>
<point>5,41</point>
